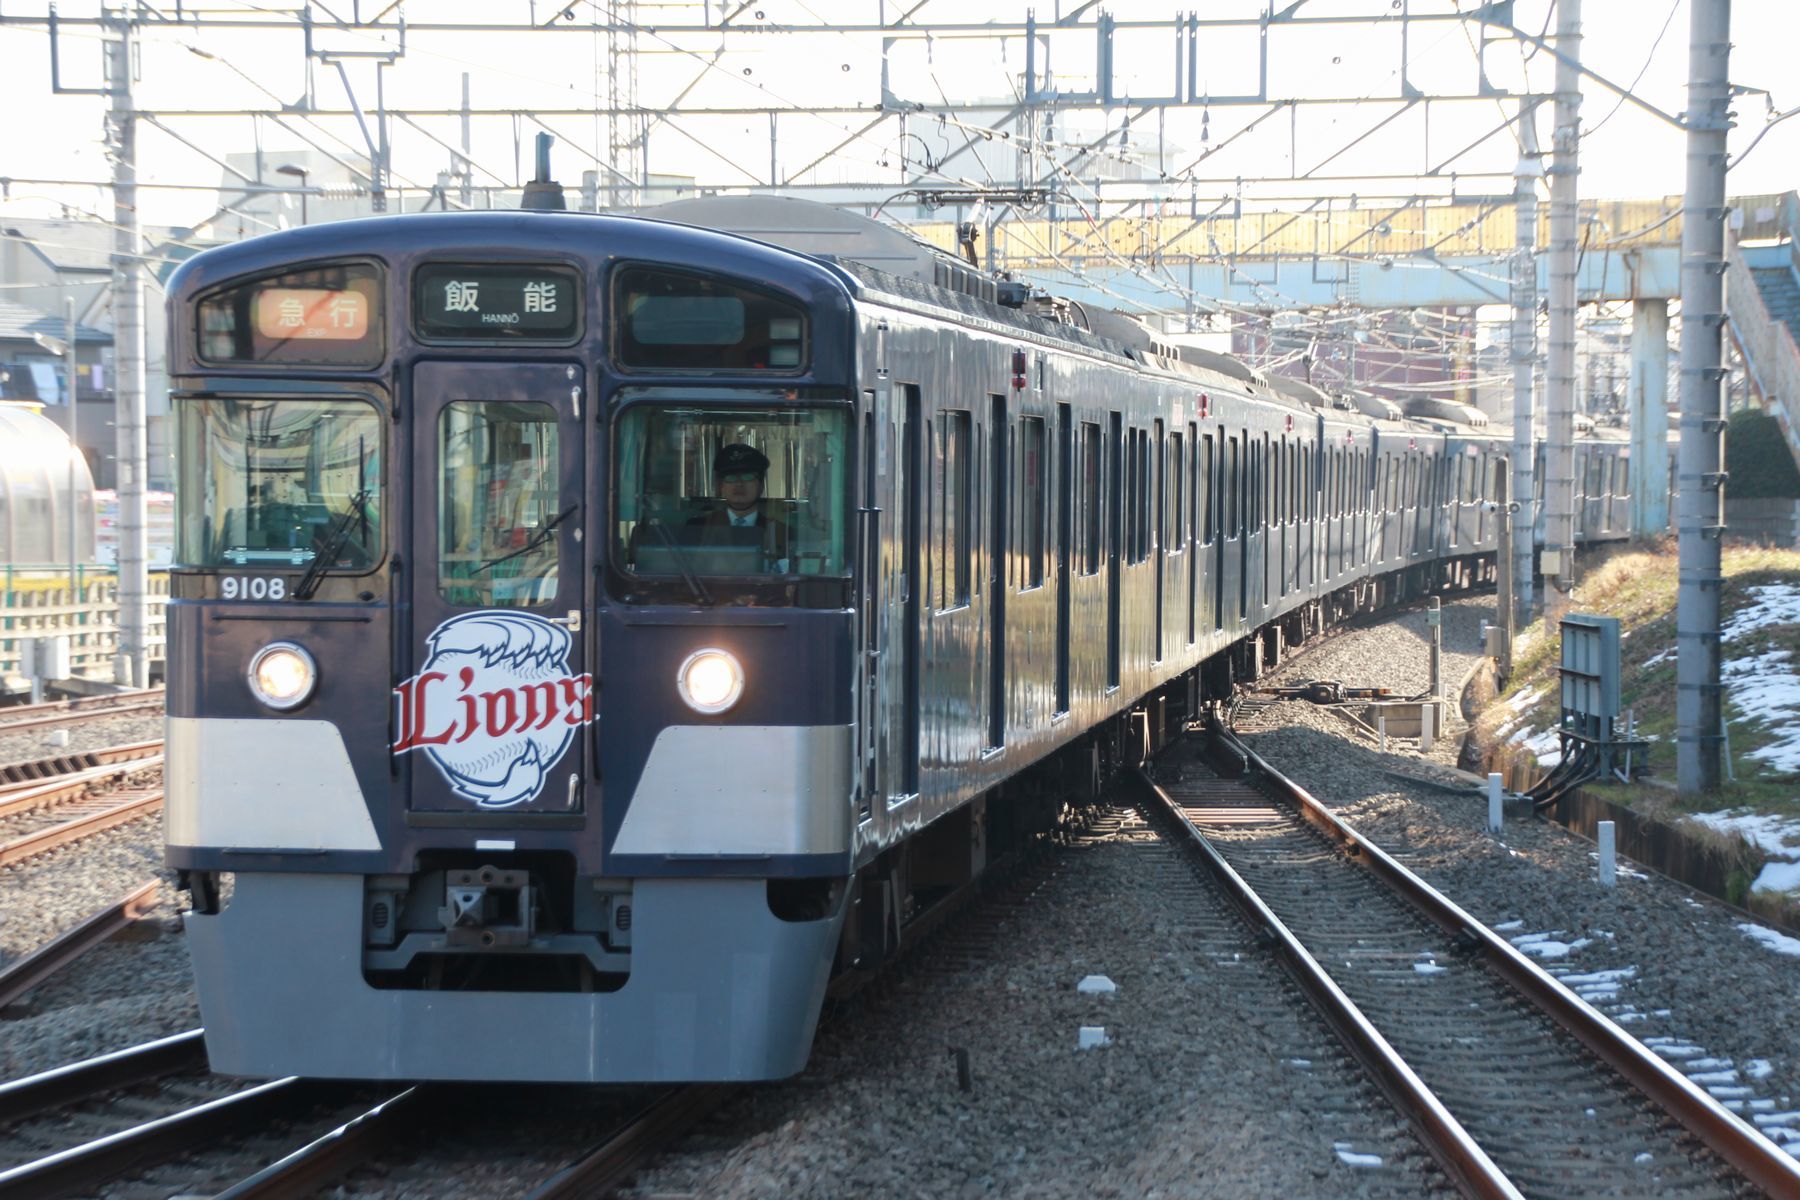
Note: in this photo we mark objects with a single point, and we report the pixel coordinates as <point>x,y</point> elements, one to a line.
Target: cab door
<point>494,684</point>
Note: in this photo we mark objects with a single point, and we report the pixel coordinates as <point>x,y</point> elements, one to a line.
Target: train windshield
<point>704,491</point>
<point>275,483</point>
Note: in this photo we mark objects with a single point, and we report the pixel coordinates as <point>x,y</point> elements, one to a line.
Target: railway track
<point>24,776</point>
<point>1519,1086</point>
<point>32,970</point>
<point>22,717</point>
<point>74,817</point>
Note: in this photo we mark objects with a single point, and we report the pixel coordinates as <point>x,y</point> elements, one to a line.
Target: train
<point>590,634</point>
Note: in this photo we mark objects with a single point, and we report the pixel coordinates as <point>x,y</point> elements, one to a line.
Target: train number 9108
<point>252,587</point>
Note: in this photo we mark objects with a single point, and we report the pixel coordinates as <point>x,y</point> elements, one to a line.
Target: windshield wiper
<point>537,539</point>
<point>681,562</point>
<point>334,542</point>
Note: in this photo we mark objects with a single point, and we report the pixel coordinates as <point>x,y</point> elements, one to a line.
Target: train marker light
<point>710,680</point>
<point>282,675</point>
<point>1018,370</point>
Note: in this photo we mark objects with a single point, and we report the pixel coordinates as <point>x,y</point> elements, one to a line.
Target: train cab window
<point>1034,508</point>
<point>326,316</point>
<point>497,504</point>
<point>759,494</point>
<point>675,321</point>
<point>277,483</point>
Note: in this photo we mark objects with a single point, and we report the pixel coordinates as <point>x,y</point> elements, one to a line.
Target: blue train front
<point>511,672</point>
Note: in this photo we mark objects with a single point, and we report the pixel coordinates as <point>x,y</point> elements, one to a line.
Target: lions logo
<point>494,706</point>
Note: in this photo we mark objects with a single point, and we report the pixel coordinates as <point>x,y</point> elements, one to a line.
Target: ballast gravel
<point>1213,1081</point>
<point>1675,969</point>
<point>122,993</point>
<point>96,734</point>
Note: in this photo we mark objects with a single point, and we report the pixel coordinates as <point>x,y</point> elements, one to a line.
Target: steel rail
<point>357,1141</point>
<point>34,1094</point>
<point>130,807</point>
<point>1452,1145</point>
<point>29,712</point>
<point>611,1162</point>
<point>20,775</point>
<point>81,1168</point>
<point>1728,1135</point>
<point>27,972</point>
<point>68,787</point>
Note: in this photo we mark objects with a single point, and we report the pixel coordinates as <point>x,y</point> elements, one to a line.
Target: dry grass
<point>1638,585</point>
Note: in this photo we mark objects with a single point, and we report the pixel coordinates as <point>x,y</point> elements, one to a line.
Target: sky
<point>1626,153</point>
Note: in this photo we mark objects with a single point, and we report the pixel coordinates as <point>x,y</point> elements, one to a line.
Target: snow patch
<point>1545,945</point>
<point>1770,604</point>
<point>1780,943</point>
<point>1351,1158</point>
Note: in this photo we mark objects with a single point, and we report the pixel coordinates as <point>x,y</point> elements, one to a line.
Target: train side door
<point>871,589</point>
<point>999,483</point>
<point>900,424</point>
<point>494,677</point>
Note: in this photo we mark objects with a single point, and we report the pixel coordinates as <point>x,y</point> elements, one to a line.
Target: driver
<point>738,474</point>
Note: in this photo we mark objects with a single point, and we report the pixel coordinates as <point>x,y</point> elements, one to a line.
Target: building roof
<point>18,323</point>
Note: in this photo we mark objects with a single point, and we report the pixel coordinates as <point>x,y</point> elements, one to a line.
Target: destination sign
<point>311,313</point>
<point>487,303</point>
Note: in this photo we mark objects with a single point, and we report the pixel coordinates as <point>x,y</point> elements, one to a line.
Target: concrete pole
<point>74,450</point>
<point>128,349</point>
<point>1559,434</point>
<point>1649,418</point>
<point>1523,354</point>
<point>1698,711</point>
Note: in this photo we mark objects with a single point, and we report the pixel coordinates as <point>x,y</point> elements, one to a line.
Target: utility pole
<point>128,348</point>
<point>74,452</point>
<point>1524,362</point>
<point>1699,713</point>
<point>1559,433</point>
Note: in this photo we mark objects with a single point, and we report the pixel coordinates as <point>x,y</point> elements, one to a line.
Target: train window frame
<point>1203,489</point>
<point>379,318</point>
<point>180,403</point>
<point>1178,491</point>
<point>1033,502</point>
<point>954,485</point>
<point>617,309</point>
<point>1092,483</point>
<point>789,589</point>
<point>576,279</point>
<point>1234,484</point>
<point>469,510</point>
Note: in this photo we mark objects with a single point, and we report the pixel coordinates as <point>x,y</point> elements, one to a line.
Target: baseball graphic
<point>494,706</point>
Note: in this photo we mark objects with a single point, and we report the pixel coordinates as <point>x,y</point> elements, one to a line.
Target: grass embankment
<point>1639,587</point>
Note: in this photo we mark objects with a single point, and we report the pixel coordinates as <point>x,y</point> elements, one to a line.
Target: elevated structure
<point>1416,253</point>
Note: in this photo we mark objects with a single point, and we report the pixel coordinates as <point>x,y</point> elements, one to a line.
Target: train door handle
<point>572,622</point>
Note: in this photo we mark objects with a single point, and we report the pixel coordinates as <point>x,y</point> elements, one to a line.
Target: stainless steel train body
<point>489,759</point>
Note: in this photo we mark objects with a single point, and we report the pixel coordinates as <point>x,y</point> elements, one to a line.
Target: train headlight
<point>282,675</point>
<point>710,680</point>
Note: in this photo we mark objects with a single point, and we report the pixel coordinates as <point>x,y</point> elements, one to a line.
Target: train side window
<point>1203,490</point>
<point>1090,498</point>
<point>1033,473</point>
<point>1144,484</point>
<point>954,499</point>
<point>1160,453</point>
<point>498,483</point>
<point>1177,476</point>
<point>1234,496</point>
